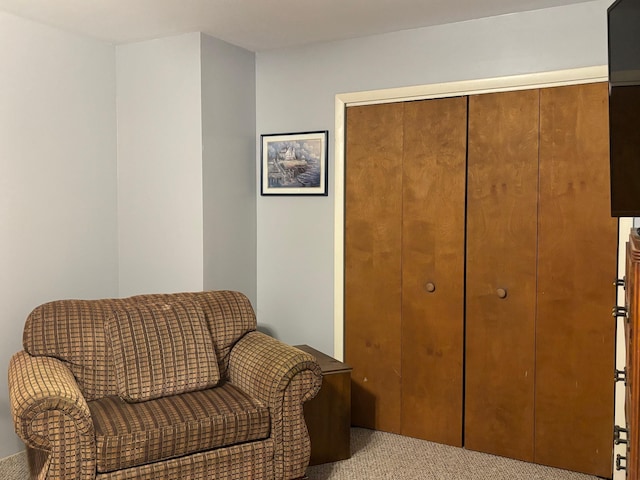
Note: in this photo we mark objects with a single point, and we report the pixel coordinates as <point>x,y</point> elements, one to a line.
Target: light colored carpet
<point>385,456</point>
<point>14,467</point>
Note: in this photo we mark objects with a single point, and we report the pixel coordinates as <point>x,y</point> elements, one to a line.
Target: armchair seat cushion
<point>131,434</point>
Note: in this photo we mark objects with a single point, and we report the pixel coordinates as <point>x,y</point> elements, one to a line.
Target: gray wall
<point>160,165</point>
<point>228,166</point>
<point>296,90</point>
<point>57,179</point>
<point>76,222</point>
<point>186,158</point>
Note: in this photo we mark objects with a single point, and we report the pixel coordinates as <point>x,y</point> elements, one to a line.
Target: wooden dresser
<point>632,400</point>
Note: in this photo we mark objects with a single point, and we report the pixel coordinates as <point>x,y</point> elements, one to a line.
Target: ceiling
<point>258,24</point>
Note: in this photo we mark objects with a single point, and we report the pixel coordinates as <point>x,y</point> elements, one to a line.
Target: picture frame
<point>294,163</point>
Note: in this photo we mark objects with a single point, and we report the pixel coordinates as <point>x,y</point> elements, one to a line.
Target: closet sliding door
<point>404,267</point>
<point>434,171</point>
<point>577,258</point>
<point>502,199</point>
<point>373,263</point>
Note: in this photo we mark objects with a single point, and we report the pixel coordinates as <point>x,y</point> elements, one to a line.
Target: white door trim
<point>440,90</point>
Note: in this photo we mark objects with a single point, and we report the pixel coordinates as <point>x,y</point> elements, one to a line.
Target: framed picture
<point>294,163</point>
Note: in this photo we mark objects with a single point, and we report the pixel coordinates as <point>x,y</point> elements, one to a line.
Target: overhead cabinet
<point>479,261</point>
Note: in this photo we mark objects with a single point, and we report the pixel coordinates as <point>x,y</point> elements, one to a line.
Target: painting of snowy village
<point>294,164</point>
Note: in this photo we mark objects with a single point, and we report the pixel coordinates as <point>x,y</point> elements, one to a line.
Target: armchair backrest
<point>73,331</point>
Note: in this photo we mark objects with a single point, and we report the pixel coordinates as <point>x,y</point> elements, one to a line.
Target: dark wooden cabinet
<point>328,414</point>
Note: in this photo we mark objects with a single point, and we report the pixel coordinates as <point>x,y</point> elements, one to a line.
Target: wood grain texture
<point>501,254</point>
<point>577,258</point>
<point>432,242</point>
<point>373,262</point>
<point>632,388</point>
<point>539,362</point>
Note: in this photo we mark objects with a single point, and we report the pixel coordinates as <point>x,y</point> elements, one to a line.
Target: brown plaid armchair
<point>161,386</point>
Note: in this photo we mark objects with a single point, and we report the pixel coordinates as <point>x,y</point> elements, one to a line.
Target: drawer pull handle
<point>430,287</point>
<point>502,293</point>
<point>621,376</point>
<point>617,435</point>
<point>619,312</point>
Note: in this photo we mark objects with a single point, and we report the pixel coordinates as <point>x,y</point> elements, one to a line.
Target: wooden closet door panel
<point>373,229</point>
<point>501,254</point>
<point>432,252</point>
<point>577,260</point>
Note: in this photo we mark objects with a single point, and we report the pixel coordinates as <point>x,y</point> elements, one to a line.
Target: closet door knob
<point>430,287</point>
<point>502,293</point>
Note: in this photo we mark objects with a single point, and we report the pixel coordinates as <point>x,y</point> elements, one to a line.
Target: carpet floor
<point>385,456</point>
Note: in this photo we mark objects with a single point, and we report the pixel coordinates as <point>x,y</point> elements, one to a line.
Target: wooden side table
<point>328,415</point>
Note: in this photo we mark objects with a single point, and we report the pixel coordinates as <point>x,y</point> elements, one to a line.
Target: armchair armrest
<point>51,414</point>
<point>263,367</point>
<point>283,378</point>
